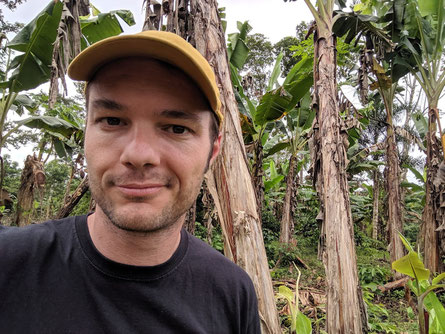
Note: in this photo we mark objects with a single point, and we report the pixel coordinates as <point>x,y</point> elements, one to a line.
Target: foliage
<point>299,322</point>
<point>217,242</point>
<point>256,69</point>
<point>11,181</point>
<point>412,266</point>
<point>306,225</point>
<point>373,274</point>
<point>102,25</point>
<point>377,312</point>
<point>35,42</point>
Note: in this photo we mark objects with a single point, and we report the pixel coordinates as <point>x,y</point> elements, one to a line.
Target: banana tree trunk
<point>375,205</point>
<point>32,179</point>
<point>72,200</point>
<point>395,218</point>
<point>287,218</point>
<point>257,175</point>
<point>190,219</point>
<point>229,180</point>
<point>345,312</point>
<point>431,214</point>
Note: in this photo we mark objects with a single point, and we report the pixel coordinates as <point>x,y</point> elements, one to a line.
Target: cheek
<point>98,156</point>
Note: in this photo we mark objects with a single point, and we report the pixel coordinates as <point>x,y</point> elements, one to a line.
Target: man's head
<point>150,137</point>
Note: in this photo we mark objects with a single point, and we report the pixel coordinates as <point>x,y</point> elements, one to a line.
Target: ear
<point>216,148</point>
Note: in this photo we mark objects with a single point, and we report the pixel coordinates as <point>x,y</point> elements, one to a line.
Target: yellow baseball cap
<point>161,45</point>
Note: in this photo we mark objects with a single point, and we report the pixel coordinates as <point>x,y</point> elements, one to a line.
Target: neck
<point>133,248</point>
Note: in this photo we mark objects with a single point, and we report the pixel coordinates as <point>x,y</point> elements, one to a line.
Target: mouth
<point>140,190</point>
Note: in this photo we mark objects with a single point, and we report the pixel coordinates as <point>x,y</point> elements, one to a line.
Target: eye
<point>178,129</point>
<point>113,121</point>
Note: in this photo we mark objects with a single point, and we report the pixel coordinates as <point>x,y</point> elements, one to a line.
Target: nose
<point>141,149</point>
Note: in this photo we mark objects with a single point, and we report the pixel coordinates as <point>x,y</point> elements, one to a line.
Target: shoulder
<point>216,266</point>
<point>16,242</point>
<point>217,276</point>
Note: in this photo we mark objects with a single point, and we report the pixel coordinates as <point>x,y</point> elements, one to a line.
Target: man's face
<point>147,143</point>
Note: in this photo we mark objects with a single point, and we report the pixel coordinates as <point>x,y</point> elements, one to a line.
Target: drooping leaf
<point>59,147</point>
<point>421,124</point>
<point>270,184</point>
<point>272,106</point>
<point>303,324</point>
<point>51,124</point>
<point>22,102</point>
<point>275,72</point>
<point>35,41</point>
<point>237,49</point>
<point>242,99</point>
<point>104,25</point>
<point>412,266</point>
<point>413,186</point>
<point>276,148</point>
<point>438,278</point>
<point>419,176</point>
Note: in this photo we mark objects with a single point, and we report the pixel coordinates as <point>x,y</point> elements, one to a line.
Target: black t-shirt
<point>53,280</point>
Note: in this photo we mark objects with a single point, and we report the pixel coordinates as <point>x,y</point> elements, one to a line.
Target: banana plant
<point>300,324</point>
<point>259,118</point>
<point>423,287</point>
<point>380,30</point>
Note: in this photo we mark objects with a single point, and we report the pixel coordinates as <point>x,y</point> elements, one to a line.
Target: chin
<point>141,220</point>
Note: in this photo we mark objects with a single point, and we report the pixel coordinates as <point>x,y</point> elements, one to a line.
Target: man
<point>152,130</point>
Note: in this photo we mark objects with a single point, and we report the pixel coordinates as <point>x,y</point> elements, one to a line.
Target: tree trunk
<point>431,214</point>
<point>229,180</point>
<point>73,199</point>
<point>33,178</point>
<point>287,218</point>
<point>257,175</point>
<point>395,219</point>
<point>345,311</point>
<point>375,205</point>
<point>190,219</point>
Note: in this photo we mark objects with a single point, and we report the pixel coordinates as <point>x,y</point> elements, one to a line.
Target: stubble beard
<point>168,217</point>
<point>143,224</point>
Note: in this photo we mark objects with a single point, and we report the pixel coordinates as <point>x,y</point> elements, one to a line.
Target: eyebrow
<point>107,104</point>
<point>180,114</point>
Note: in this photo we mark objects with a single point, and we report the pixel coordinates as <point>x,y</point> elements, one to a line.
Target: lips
<point>140,190</point>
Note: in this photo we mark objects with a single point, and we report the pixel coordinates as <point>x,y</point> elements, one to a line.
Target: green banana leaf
<point>412,266</point>
<point>238,50</point>
<point>36,42</point>
<point>275,72</point>
<point>104,25</point>
<point>53,124</point>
